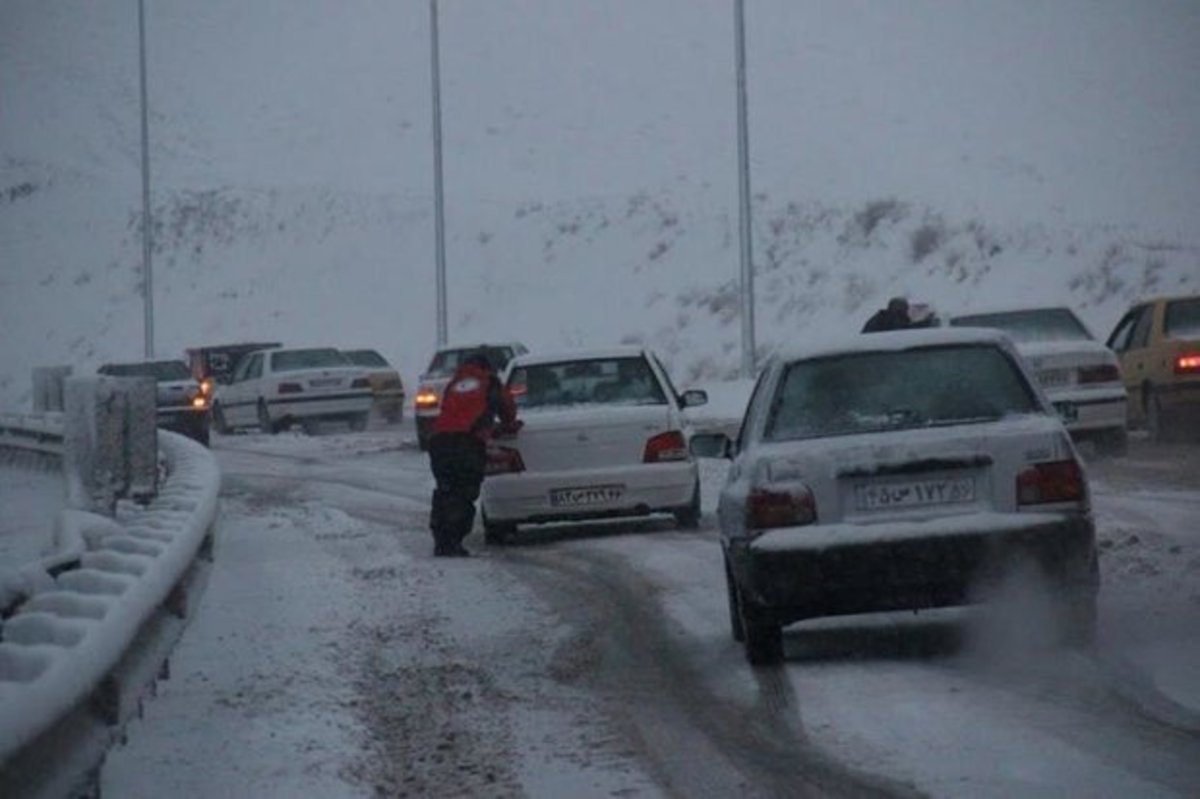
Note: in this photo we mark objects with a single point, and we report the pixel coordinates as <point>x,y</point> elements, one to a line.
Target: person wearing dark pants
<point>475,404</point>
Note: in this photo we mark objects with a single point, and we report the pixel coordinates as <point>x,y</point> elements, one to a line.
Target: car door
<point>240,409</point>
<point>1129,340</point>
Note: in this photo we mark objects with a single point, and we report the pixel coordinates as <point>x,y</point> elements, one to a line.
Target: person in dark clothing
<point>475,405</point>
<point>893,317</point>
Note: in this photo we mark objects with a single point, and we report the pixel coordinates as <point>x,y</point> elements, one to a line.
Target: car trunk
<point>586,437</point>
<point>1056,365</point>
<point>176,393</point>
<point>919,474</point>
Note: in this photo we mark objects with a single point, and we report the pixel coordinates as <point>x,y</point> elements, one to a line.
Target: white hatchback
<point>604,435</point>
<point>1081,376</point>
<point>273,388</point>
<point>898,471</point>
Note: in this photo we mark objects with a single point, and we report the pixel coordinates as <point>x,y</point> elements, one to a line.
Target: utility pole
<point>147,222</point>
<point>745,228</point>
<point>439,220</point>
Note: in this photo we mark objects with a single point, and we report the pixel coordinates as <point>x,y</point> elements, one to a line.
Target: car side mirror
<point>693,398</point>
<point>710,445</point>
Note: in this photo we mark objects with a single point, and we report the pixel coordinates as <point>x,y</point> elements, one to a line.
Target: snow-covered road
<point>332,656</point>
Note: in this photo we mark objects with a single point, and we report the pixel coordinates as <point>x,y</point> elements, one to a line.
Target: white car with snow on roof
<point>1081,376</point>
<point>603,435</point>
<point>898,471</point>
<point>273,388</point>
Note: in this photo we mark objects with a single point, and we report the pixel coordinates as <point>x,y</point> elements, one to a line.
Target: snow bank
<point>64,641</point>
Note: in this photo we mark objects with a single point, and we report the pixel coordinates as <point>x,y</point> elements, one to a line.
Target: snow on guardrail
<point>59,646</point>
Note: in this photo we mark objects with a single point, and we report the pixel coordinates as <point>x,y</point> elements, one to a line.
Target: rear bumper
<point>184,419</point>
<point>909,570</point>
<point>647,488</point>
<point>1092,410</point>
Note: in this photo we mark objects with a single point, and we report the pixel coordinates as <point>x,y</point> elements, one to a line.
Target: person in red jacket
<point>475,405</point>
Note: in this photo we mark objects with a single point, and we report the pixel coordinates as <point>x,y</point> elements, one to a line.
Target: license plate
<point>586,495</point>
<point>1067,411</point>
<point>325,382</point>
<point>914,493</point>
<point>1052,378</point>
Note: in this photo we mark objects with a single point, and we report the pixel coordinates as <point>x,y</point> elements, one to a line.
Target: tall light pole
<point>147,226</point>
<point>745,229</point>
<point>439,220</point>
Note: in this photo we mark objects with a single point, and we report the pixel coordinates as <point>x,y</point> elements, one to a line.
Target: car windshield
<point>446,361</point>
<point>159,370</point>
<point>366,358</point>
<point>595,381</point>
<point>1044,324</point>
<point>1182,319</point>
<point>876,391</point>
<point>290,360</point>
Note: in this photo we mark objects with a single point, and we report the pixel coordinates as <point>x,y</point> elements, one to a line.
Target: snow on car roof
<point>895,341</point>
<point>988,310</point>
<point>578,355</point>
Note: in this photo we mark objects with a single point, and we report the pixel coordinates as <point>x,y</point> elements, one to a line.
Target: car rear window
<point>291,360</point>
<point>159,370</point>
<point>596,381</point>
<point>1182,318</point>
<point>446,361</point>
<point>875,391</point>
<point>366,358</point>
<point>1043,324</point>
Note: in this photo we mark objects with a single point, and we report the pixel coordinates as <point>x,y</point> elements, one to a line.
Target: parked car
<point>1081,376</point>
<point>1158,343</point>
<point>603,435</point>
<point>898,471</point>
<point>182,402</point>
<point>428,399</point>
<point>271,389</point>
<point>386,385</point>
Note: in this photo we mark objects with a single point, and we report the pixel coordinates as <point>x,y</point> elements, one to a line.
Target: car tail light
<point>426,399</point>
<point>360,382</point>
<point>1188,364</point>
<point>290,388</point>
<point>780,507</point>
<point>1101,373</point>
<point>503,460</point>
<point>668,446</point>
<point>199,402</point>
<point>1054,481</point>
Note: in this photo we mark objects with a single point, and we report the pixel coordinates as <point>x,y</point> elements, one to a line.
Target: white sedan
<point>603,435</point>
<point>899,471</point>
<point>1081,376</point>
<point>273,388</point>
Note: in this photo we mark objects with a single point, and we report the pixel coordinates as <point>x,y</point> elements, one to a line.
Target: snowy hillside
<point>965,156</point>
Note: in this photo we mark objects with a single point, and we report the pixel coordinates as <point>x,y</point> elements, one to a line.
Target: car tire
<point>736,629</point>
<point>1154,419</point>
<point>498,533</point>
<point>1113,443</point>
<point>688,517</point>
<point>218,420</point>
<point>201,434</point>
<point>265,423</point>
<point>394,416</point>
<point>1077,620</point>
<point>764,643</point>
<point>358,422</point>
<point>311,427</point>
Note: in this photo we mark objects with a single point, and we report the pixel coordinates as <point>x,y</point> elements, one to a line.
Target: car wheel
<point>735,610</point>
<point>201,434</point>
<point>498,533</point>
<point>311,427</point>
<point>1077,620</point>
<point>358,422</point>
<point>1113,442</point>
<point>764,643</point>
<point>1154,420</point>
<point>394,416</point>
<point>218,420</point>
<point>265,423</point>
<point>688,517</point>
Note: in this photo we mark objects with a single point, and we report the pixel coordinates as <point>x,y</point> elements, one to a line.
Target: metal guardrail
<point>77,654</point>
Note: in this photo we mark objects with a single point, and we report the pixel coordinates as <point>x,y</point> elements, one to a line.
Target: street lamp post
<point>439,222</point>
<point>745,230</point>
<point>147,226</point>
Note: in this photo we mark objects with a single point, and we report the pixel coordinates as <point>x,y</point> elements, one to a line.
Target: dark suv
<point>182,402</point>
